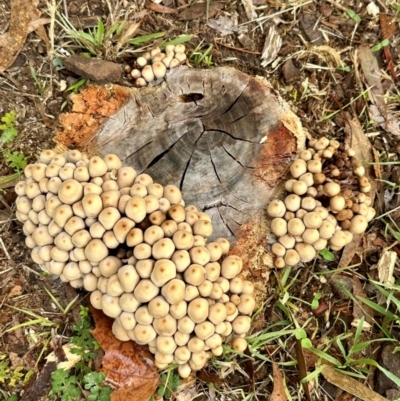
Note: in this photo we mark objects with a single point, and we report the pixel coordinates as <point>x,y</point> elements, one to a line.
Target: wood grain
<point>223,137</point>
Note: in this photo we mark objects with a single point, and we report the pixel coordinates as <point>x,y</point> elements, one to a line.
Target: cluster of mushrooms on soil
<point>153,65</point>
<point>327,203</point>
<point>140,252</point>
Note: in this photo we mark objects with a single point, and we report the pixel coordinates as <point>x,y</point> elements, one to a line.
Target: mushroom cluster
<point>154,64</point>
<point>141,253</point>
<point>327,203</point>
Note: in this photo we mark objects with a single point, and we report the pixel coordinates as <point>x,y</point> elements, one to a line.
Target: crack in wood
<point>201,131</point>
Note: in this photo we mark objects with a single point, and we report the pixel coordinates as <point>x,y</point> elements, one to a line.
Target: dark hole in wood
<point>190,97</point>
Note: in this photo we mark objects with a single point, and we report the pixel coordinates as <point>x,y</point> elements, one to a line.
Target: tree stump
<point>224,138</point>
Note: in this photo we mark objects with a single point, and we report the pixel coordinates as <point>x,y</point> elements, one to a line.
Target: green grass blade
<point>377,308</point>
<point>177,41</point>
<point>146,38</point>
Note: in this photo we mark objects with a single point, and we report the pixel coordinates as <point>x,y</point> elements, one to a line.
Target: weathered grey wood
<point>220,135</point>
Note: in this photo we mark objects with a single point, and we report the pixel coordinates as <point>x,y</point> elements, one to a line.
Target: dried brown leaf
<point>360,309</point>
<point>373,76</point>
<point>12,41</point>
<point>278,393</point>
<point>388,26</point>
<point>356,138</point>
<point>350,385</point>
<point>128,366</point>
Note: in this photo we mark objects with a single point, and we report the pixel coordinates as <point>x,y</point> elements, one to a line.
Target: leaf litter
<point>128,367</point>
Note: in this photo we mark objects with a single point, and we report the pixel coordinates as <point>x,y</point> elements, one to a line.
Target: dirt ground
<point>313,61</point>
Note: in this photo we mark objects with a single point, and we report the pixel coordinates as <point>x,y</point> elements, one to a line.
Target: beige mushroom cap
<point>338,239</point>
<point>298,168</point>
<point>183,240</point>
<point>198,310</point>
<point>144,333</point>
<point>276,208</point>
<point>296,227</point>
<point>163,249</point>
<point>96,251</point>
<point>231,266</point>
<point>199,255</point>
<point>165,326</point>
<point>358,224</point>
<point>145,291</point>
<point>204,330</point>
<point>158,307</point>
<point>109,217</point>
<point>164,270</point>
<point>136,209</point>
<point>292,258</point>
<point>203,228</point>
<point>239,344</point>
<point>217,313</point>
<point>128,277</point>
<point>241,325</point>
<point>128,302</point>
<point>110,306</point>
<point>70,191</point>
<point>174,291</point>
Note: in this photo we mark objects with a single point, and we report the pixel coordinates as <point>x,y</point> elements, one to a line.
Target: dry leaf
<point>223,25</point>
<point>373,75</point>
<point>128,33</point>
<point>23,16</point>
<point>350,385</point>
<point>356,138</point>
<point>360,309</point>
<point>388,26</point>
<point>278,393</point>
<point>128,366</point>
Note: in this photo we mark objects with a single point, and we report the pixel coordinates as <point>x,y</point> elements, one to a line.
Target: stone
<point>94,69</point>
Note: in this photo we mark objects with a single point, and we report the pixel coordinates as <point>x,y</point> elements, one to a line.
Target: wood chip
<point>278,393</point>
<point>385,267</point>
<point>158,8</point>
<point>272,45</point>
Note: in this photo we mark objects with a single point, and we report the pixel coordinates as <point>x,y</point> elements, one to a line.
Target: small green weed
<point>355,17</point>
<point>9,131</point>
<point>380,45</point>
<point>315,301</point>
<point>10,377</point>
<point>16,160</point>
<point>74,88</point>
<point>344,68</point>
<point>327,255</point>
<point>67,384</point>
<point>170,381</point>
<point>200,58</point>
<point>40,85</point>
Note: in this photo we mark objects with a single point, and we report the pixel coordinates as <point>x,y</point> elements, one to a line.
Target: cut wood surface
<point>223,137</point>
